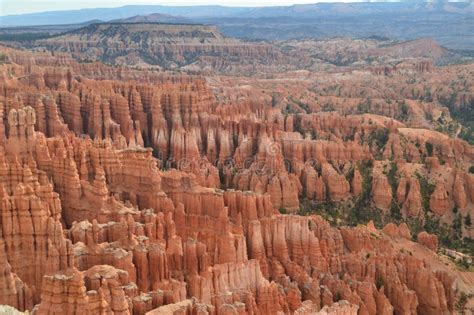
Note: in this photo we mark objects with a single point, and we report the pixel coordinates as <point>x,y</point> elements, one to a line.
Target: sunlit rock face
<point>127,191</point>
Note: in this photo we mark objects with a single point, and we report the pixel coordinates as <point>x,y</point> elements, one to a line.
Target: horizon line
<point>232,6</point>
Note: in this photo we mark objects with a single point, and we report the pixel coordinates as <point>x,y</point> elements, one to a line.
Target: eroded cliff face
<point>127,197</point>
<point>190,47</point>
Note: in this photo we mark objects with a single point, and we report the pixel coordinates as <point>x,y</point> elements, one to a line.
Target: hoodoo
<point>153,164</point>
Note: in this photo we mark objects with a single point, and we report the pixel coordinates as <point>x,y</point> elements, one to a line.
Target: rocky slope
<point>370,51</point>
<point>129,196</point>
<point>170,46</point>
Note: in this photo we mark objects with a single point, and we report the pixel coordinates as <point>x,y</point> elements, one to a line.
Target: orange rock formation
<point>127,197</point>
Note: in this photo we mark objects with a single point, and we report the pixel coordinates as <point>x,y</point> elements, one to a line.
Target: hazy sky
<point>27,6</point>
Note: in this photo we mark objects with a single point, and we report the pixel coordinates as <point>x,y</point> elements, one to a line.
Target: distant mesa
<point>154,18</point>
<point>162,45</point>
<point>450,23</point>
